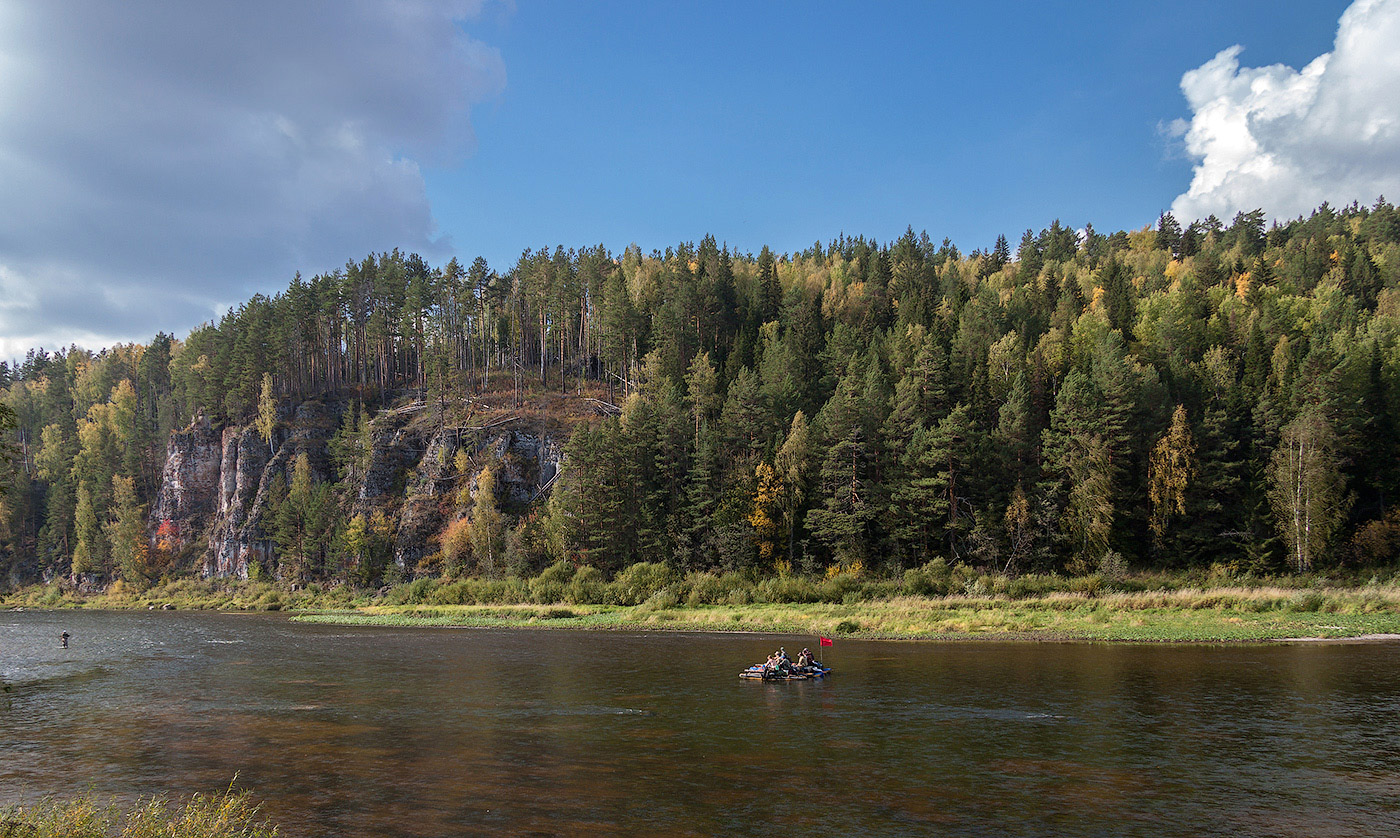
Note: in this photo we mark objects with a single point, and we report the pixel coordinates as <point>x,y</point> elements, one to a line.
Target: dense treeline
<point>1177,396</point>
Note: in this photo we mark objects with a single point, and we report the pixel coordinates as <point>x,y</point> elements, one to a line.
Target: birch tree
<point>1307,488</point>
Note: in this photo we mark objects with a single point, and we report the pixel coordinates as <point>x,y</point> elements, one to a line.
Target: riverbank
<point>1188,616</point>
<point>1141,608</point>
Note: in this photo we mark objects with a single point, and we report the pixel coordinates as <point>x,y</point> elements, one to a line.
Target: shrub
<point>587,586</point>
<point>507,591</point>
<point>781,589</point>
<point>1090,585</point>
<point>456,546</point>
<point>416,592</point>
<point>552,582</point>
<point>932,579</point>
<point>1113,566</point>
<point>452,593</point>
<point>660,601</point>
<point>1308,602</point>
<point>702,588</point>
<point>839,588</point>
<point>637,583</point>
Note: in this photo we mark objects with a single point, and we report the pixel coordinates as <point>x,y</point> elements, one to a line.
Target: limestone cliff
<point>212,507</point>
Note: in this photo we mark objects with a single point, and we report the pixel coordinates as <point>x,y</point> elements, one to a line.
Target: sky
<point>162,161</point>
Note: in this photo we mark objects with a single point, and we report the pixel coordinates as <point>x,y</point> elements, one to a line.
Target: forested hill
<point>1218,393</point>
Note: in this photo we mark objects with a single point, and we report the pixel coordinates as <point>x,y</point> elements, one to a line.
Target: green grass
<point>1240,616</point>
<point>935,601</point>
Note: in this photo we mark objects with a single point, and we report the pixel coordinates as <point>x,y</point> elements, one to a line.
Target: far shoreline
<point>1288,610</point>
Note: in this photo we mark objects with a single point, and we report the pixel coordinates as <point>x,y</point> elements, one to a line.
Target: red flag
<point>825,641</point>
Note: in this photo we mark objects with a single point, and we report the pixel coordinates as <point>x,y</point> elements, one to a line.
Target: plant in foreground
<point>226,815</point>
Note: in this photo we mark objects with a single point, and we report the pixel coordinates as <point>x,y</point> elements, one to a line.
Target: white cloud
<point>164,159</point>
<point>1286,140</point>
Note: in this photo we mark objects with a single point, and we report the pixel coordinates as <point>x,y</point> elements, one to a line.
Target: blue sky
<point>784,123</point>
<point>165,162</point>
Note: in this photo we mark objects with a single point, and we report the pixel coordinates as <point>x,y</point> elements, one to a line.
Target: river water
<point>428,732</point>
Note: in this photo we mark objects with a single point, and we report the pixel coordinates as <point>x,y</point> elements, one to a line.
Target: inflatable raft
<point>757,673</point>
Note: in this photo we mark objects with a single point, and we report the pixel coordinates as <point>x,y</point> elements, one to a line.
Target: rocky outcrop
<point>237,537</point>
<point>427,500</point>
<point>242,532</point>
<point>216,485</point>
<point>189,487</point>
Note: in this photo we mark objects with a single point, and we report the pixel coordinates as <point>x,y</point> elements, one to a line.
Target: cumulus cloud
<point>162,160</point>
<point>1286,140</point>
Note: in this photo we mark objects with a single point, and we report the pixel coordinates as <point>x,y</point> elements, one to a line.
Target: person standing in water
<point>64,638</point>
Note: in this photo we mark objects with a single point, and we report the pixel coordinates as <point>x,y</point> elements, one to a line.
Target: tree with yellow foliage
<point>764,517</point>
<point>1170,470</point>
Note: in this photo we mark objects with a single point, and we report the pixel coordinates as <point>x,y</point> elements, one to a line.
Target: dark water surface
<point>390,732</point>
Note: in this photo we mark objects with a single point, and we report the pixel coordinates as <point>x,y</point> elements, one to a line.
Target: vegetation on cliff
<point>1218,395</point>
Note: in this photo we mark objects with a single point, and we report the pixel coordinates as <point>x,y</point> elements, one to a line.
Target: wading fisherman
<point>64,639</point>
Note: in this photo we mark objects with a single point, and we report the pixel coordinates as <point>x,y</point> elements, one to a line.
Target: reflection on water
<point>386,732</point>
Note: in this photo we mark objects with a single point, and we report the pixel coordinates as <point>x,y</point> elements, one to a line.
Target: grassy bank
<point>1235,614</point>
<point>226,815</point>
<point>934,601</point>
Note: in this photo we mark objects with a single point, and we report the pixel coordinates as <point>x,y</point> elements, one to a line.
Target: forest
<point>1209,395</point>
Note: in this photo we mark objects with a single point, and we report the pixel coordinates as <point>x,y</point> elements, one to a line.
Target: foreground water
<point>391,732</point>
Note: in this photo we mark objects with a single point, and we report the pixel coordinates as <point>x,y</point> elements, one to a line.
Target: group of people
<point>780,664</point>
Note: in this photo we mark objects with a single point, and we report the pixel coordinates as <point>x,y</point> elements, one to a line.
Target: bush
<point>660,601</point>
<point>586,587</point>
<point>702,588</point>
<point>637,583</point>
<point>1091,585</point>
<point>1033,585</point>
<point>416,592</point>
<point>846,627</point>
<point>550,585</point>
<point>1113,566</point>
<point>932,579</point>
<point>1309,602</point>
<point>839,588</point>
<point>782,589</point>
<point>453,593</point>
<point>456,546</point>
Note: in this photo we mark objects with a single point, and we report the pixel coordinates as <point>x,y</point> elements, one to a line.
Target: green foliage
<point>906,401</point>
<point>552,583</point>
<point>639,582</point>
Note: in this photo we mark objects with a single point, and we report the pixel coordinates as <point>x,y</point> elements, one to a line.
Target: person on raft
<point>779,663</point>
<point>804,659</point>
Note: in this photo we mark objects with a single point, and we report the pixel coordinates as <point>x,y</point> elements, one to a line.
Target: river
<point>444,732</point>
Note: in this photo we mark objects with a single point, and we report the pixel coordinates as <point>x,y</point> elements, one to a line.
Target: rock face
<point>242,533</point>
<point>189,486</point>
<point>236,538</point>
<point>216,483</point>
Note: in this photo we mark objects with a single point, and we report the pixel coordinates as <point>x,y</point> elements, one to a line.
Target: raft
<point>814,671</point>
